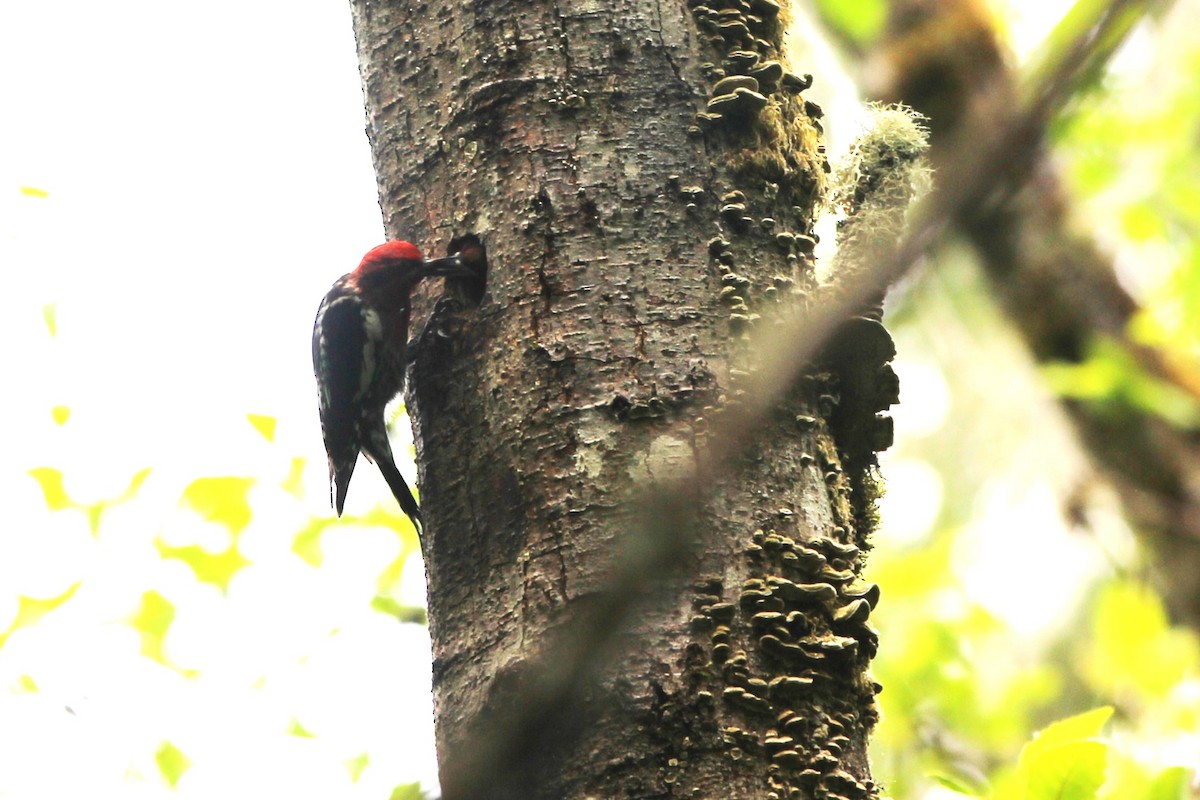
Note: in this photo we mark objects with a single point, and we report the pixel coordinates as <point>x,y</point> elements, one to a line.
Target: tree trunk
<point>633,249</point>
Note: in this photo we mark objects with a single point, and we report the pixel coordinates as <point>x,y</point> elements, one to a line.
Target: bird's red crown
<point>388,253</point>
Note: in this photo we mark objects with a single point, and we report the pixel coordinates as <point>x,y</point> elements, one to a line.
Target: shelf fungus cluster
<point>755,108</point>
<point>745,33</point>
<point>773,652</point>
<point>737,290</point>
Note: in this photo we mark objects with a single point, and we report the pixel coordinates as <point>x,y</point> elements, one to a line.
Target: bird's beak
<point>450,267</point>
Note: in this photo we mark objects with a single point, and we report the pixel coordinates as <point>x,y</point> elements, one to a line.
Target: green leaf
<point>32,609</point>
<point>27,685</point>
<point>356,765</point>
<point>401,611</point>
<point>51,482</point>
<point>390,578</point>
<point>860,21</point>
<point>1064,762</point>
<point>307,542</point>
<point>293,484</point>
<point>294,728</point>
<point>135,483</point>
<point>956,784</point>
<point>96,510</point>
<point>50,315</point>
<point>1073,771</point>
<point>222,500</point>
<point>215,568</point>
<point>172,763</point>
<point>1066,731</point>
<point>1141,222</point>
<point>1133,645</point>
<point>407,791</point>
<point>1170,784</point>
<point>1130,779</point>
<point>264,425</point>
<point>1112,378</point>
<point>152,620</point>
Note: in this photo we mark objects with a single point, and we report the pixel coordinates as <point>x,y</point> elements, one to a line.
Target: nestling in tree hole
<point>469,247</point>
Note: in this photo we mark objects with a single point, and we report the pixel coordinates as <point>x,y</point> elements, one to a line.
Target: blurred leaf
<point>27,684</point>
<point>858,21</point>
<point>152,620</point>
<point>222,500</point>
<point>1129,779</point>
<point>1133,645</point>
<point>1066,731</point>
<point>1134,164</point>
<point>50,315</point>
<point>392,575</point>
<point>401,611</point>
<point>955,784</point>
<point>33,191</point>
<point>215,568</point>
<point>1073,771</point>
<point>307,542</point>
<point>1064,762</point>
<point>1140,222</point>
<point>1172,783</point>
<point>135,483</point>
<point>294,728</point>
<point>60,414</point>
<point>51,482</point>
<point>388,515</point>
<point>96,510</point>
<point>407,791</point>
<point>356,765</point>
<point>264,425</point>
<point>293,484</point>
<point>172,763</point>
<point>1112,377</point>
<point>30,609</point>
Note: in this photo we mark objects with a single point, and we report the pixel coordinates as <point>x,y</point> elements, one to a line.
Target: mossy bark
<point>633,249</point>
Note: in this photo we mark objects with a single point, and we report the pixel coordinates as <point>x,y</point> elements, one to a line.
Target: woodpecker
<point>359,345</point>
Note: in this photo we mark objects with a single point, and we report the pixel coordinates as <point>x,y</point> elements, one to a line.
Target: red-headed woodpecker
<point>359,345</point>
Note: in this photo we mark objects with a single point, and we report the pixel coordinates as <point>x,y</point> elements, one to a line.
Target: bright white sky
<point>207,178</point>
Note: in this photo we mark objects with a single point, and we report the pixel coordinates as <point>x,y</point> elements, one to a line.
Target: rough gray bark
<point>633,248</point>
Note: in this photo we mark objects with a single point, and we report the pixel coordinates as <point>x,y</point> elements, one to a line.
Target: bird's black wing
<point>344,360</point>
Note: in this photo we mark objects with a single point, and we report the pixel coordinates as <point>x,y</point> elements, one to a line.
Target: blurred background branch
<point>1057,285</point>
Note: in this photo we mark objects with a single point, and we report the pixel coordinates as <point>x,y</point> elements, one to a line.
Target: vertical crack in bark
<point>641,337</point>
<point>564,42</point>
<point>666,51</point>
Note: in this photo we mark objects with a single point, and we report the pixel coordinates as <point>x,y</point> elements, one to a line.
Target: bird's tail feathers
<point>339,481</point>
<point>377,448</point>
